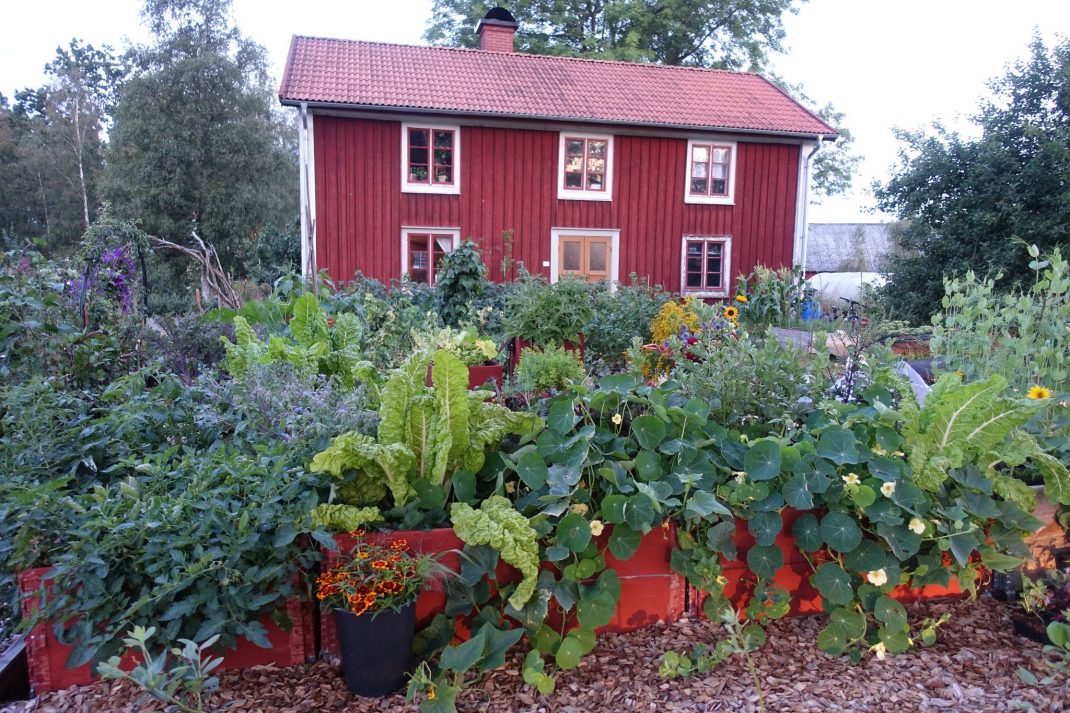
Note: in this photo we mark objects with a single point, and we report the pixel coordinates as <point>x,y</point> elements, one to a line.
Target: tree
<point>725,34</point>
<point>197,137</point>
<point>975,203</point>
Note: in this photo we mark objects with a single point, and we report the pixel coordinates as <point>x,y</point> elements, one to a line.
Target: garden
<point>534,496</point>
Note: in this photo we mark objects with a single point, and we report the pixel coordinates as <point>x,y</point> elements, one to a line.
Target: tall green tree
<point>975,202</point>
<point>724,34</point>
<point>197,141</point>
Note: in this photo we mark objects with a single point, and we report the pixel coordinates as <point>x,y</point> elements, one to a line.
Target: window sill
<point>563,195</point>
<point>705,294</point>
<point>453,190</point>
<point>709,200</point>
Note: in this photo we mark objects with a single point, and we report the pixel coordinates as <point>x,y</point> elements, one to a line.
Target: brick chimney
<point>496,31</point>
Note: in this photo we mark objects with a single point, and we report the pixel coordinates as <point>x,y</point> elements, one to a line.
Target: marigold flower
<point>877,577</point>
<point>1039,393</point>
<point>888,489</point>
<point>617,418</point>
<point>597,527</point>
<point>917,526</point>
<point>851,479</point>
<point>400,545</point>
<point>741,298</point>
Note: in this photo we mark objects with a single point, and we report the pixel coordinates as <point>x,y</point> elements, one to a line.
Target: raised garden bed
<point>14,675</point>
<point>47,657</point>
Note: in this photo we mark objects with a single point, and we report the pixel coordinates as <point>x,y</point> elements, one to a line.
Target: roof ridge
<point>564,58</point>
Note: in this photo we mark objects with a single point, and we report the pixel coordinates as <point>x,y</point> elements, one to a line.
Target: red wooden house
<point>688,176</point>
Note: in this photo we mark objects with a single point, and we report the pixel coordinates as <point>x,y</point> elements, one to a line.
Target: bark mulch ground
<point>971,668</point>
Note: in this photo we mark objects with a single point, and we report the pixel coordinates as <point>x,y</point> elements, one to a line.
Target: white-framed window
<point>423,248</point>
<point>430,158</point>
<point>585,167</point>
<point>711,172</point>
<point>706,265</point>
<point>590,253</point>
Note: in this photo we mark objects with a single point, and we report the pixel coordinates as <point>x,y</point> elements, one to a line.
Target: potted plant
<point>475,352</point>
<point>373,594</point>
<point>1044,600</point>
<point>538,313</point>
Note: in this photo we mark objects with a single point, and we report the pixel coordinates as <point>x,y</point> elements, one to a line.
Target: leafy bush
<point>772,297</point>
<point>618,317</point>
<point>461,280</point>
<point>542,314</point>
<point>277,252</point>
<point>552,369</point>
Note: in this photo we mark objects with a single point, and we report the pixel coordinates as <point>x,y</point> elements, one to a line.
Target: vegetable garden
<point>519,469</point>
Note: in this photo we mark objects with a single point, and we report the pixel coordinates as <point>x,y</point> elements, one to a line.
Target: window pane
<point>719,170</point>
<point>573,180</point>
<point>418,156</point>
<point>443,174</point>
<point>596,165</point>
<point>596,149</point>
<point>571,257</point>
<point>443,157</point>
<point>714,264</point>
<point>719,187</point>
<point>595,181</point>
<point>418,252</point>
<point>693,266</point>
<point>699,170</point>
<point>443,139</point>
<point>700,154</point>
<point>574,147</point>
<point>720,155</point>
<point>597,258</point>
<point>698,185</point>
<point>418,137</point>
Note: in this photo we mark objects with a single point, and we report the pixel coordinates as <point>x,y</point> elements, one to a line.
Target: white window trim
<point>452,189</point>
<point>729,199</point>
<point>614,246</point>
<point>584,195</point>
<point>408,230</point>
<point>726,286</point>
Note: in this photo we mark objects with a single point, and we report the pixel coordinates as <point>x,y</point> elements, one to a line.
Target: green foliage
<point>774,297</point>
<point>498,525</point>
<point>276,252</point>
<point>344,518</point>
<point>426,434</point>
<point>543,314</point>
<point>461,280</point>
<point>617,317</point>
<point>180,685</point>
<point>960,219</point>
<point>553,368</point>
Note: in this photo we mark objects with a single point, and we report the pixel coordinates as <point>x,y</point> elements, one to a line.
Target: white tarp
<point>831,286</point>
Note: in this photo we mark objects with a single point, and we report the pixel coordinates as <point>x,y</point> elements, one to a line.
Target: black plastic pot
<point>1031,627</point>
<point>376,649</point>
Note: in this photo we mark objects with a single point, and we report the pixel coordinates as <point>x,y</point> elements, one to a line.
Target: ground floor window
<point>422,249</point>
<point>593,255</point>
<point>705,265</point>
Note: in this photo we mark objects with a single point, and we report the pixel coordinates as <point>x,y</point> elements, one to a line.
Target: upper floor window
<point>422,249</point>
<point>585,167</point>
<point>711,171</point>
<point>430,159</point>
<point>705,266</point>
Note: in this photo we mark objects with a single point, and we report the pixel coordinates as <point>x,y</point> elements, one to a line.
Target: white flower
<point>597,527</point>
<point>877,577</point>
<point>879,650</point>
<point>877,450</point>
<point>887,489</point>
<point>916,525</point>
<point>580,508</point>
<point>617,418</point>
<point>741,475</point>
<point>851,479</point>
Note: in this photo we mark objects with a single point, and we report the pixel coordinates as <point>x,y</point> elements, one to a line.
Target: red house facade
<point>569,166</point>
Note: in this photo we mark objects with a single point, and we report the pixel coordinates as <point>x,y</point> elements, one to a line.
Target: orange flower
<point>400,545</point>
<point>380,564</point>
<point>364,554</point>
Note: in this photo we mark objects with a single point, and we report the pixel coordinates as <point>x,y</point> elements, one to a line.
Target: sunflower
<point>1038,393</point>
<point>741,298</point>
<point>731,313</point>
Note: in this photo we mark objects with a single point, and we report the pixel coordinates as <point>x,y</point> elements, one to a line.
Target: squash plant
<point>431,443</point>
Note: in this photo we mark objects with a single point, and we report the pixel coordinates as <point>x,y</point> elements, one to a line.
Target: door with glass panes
<point>585,256</point>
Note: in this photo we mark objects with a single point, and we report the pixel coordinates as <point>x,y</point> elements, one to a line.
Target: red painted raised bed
<point>47,657</point>
<point>480,375</point>
<point>520,344</point>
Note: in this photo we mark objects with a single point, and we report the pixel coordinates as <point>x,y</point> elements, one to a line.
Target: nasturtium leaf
<point>765,560</point>
<point>556,553</point>
<point>840,532</point>
<point>851,623</point>
<point>762,461</point>
<point>609,581</point>
<point>831,640</point>
<point>807,533</point>
<point>867,557</point>
<point>884,511</point>
<point>978,504</point>
<point>649,431</point>
<point>639,513</point>
<point>797,493</point>
<point>624,541</point>
<point>614,508</point>
<point>702,504</point>
<point>887,469</point>
<point>904,543</point>
<point>586,637</point>
<point>753,637</point>
<point>720,538</point>
<point>838,445</point>
<point>532,470</point>
<point>908,496</point>
<point>648,465</point>
<point>998,561</point>
<point>596,610</point>
<point>890,613</point>
<point>834,584</point>
<point>464,486</point>
<point>562,416</point>
<point>888,438</point>
<point>569,653</point>
<point>895,641</point>
<point>863,496</point>
<point>574,532</point>
<point>619,383</point>
<point>765,526</point>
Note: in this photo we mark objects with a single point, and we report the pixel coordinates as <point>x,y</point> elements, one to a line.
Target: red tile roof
<point>509,84</point>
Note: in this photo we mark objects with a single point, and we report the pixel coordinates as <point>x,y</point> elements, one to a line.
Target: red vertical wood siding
<point>509,182</point>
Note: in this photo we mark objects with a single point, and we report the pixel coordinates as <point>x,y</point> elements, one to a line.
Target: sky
<point>886,64</point>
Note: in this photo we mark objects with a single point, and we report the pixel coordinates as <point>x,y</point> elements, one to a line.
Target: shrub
<point>552,369</point>
<point>619,316</point>
<point>542,314</point>
<point>461,280</point>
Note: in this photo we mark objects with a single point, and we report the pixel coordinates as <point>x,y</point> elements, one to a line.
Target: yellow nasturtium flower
<point>617,418</point>
<point>851,479</point>
<point>878,577</point>
<point>597,527</point>
<point>888,489</point>
<point>917,526</point>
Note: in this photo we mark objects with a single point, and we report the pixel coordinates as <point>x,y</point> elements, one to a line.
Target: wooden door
<point>586,256</point>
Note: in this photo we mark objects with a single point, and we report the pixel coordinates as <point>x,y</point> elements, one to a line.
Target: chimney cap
<point>500,17</point>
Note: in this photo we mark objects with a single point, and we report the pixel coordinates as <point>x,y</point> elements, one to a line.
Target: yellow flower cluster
<point>671,317</point>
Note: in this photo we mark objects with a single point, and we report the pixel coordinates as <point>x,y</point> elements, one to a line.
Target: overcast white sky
<point>886,63</point>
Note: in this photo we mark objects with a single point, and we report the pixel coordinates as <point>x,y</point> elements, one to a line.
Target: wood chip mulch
<point>971,668</point>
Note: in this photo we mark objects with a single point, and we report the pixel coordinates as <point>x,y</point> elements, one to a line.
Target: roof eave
<point>285,101</point>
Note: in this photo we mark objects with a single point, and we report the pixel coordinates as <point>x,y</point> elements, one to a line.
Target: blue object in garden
<point>811,310</point>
